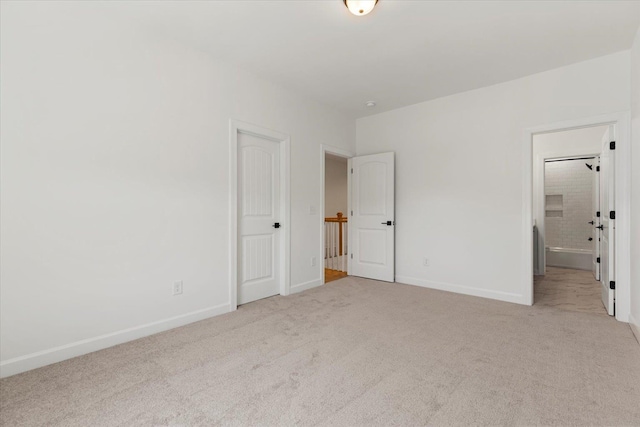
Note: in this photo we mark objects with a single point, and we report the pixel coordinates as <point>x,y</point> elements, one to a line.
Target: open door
<point>607,221</point>
<point>373,216</point>
<point>595,220</point>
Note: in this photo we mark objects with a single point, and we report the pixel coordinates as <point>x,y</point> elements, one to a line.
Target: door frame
<point>346,154</point>
<point>284,141</point>
<point>622,123</point>
<point>539,196</point>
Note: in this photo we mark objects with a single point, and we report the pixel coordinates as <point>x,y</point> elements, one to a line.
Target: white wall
<point>459,171</point>
<point>115,179</point>
<point>569,142</point>
<point>634,317</point>
<point>335,184</point>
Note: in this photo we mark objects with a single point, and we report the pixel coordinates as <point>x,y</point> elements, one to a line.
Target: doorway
<point>579,251</point>
<point>259,244</point>
<point>570,226</point>
<point>335,208</point>
<point>566,201</point>
<point>368,228</point>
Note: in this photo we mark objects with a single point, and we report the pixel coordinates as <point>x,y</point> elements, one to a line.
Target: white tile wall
<point>574,181</point>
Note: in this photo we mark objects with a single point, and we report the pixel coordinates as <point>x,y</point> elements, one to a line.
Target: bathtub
<point>581,259</point>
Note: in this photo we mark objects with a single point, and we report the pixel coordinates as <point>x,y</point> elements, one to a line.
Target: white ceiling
<point>402,53</point>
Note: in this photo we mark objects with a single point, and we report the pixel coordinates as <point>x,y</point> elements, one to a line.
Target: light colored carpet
<point>568,289</point>
<point>354,352</point>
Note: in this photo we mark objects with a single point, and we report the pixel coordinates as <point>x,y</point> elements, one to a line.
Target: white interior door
<point>595,219</point>
<point>607,222</point>
<point>373,216</point>
<point>258,218</point>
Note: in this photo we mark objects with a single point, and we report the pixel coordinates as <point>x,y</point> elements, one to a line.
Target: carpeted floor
<point>354,352</point>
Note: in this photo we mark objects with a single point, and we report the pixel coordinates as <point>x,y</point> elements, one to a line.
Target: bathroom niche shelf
<point>554,205</point>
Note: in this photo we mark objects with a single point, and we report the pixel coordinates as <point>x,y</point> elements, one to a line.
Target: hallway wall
<point>335,186</point>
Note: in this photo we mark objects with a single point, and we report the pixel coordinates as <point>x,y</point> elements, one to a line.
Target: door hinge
<point>612,215</point>
<point>612,145</point>
<point>597,168</point>
<point>351,256</point>
<point>352,171</point>
<point>612,284</point>
<point>351,213</point>
<point>598,260</point>
<point>598,214</point>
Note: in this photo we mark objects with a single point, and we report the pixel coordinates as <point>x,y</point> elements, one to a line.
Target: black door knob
<point>387,223</point>
<point>591,222</point>
<point>590,238</point>
<point>600,227</point>
<point>276,225</point>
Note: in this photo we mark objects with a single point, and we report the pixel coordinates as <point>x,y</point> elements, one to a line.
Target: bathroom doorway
<point>568,222</point>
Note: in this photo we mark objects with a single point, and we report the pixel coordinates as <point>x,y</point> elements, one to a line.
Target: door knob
<point>600,227</point>
<point>387,223</point>
<point>591,222</point>
<point>590,238</point>
<point>276,225</point>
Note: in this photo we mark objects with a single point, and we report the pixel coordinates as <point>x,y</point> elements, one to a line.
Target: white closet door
<point>258,218</point>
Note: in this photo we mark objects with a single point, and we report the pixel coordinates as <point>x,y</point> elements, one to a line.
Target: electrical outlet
<point>313,261</point>
<point>425,262</point>
<point>177,288</point>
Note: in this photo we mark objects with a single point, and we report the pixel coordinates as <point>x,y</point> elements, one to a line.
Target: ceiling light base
<point>360,7</point>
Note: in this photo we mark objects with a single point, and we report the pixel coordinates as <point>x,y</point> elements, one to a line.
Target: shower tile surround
<point>568,195</point>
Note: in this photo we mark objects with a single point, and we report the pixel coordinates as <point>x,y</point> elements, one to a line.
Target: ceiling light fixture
<point>360,7</point>
<point>370,104</point>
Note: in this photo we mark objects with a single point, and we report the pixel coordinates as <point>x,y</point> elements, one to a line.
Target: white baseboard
<point>635,327</point>
<point>466,290</point>
<point>306,285</point>
<point>57,354</point>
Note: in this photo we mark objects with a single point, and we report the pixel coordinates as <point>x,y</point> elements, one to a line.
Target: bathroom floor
<point>568,289</point>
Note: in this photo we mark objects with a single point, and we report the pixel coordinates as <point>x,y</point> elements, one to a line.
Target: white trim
<point>307,285</point>
<point>635,327</point>
<point>622,124</point>
<point>57,354</point>
<point>349,210</point>
<point>324,149</point>
<point>284,140</point>
<point>539,196</point>
<point>461,289</point>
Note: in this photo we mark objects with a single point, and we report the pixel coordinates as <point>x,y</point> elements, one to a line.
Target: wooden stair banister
<point>340,219</point>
